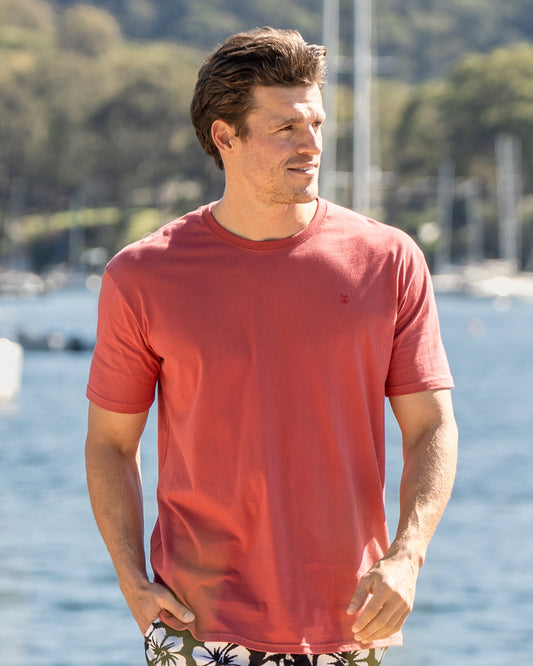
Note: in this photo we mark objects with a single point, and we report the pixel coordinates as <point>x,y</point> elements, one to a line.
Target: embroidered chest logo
<point>344,299</point>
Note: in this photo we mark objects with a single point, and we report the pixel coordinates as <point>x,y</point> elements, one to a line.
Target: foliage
<point>80,108</point>
<point>29,14</point>
<point>88,29</point>
<point>489,95</point>
<point>141,131</point>
<point>418,142</point>
<point>417,40</point>
<point>89,117</point>
<point>460,117</point>
<point>421,39</point>
<point>203,23</point>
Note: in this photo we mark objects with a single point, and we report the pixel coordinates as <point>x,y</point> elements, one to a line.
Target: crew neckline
<point>265,245</point>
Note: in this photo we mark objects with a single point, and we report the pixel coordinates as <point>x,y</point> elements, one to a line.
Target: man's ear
<point>223,135</point>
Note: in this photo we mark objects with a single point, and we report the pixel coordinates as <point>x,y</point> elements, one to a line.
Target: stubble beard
<point>287,195</point>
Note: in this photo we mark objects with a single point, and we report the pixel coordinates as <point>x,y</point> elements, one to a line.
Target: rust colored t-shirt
<point>272,360</point>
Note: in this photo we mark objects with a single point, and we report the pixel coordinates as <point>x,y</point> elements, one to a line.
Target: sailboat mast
<point>362,104</point>
<point>328,171</point>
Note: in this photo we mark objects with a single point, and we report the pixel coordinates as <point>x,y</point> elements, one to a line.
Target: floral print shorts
<point>165,646</point>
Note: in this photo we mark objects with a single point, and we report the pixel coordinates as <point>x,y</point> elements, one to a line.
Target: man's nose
<point>311,141</point>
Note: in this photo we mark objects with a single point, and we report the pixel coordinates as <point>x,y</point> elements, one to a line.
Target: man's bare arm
<point>430,455</point>
<point>114,482</point>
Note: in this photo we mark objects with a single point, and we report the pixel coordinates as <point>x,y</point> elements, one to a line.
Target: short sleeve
<point>124,370</point>
<point>418,360</point>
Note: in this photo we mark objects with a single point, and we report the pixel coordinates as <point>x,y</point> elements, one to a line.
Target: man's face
<point>278,159</point>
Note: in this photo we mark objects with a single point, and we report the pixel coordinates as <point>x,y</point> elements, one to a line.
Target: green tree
<point>423,38</point>
<point>392,97</point>
<point>486,95</point>
<point>142,129</point>
<point>23,129</point>
<point>420,136</point>
<point>88,30</point>
<point>72,89</point>
<point>35,15</point>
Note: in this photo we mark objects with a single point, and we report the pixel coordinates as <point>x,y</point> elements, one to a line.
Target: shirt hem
<point>304,647</point>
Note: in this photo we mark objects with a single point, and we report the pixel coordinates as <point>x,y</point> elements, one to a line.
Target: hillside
<point>418,39</point>
<point>94,114</point>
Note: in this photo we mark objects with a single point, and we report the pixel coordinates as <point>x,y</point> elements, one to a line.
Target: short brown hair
<point>261,57</point>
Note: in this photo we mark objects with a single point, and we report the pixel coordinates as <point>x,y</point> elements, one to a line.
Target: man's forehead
<point>296,101</point>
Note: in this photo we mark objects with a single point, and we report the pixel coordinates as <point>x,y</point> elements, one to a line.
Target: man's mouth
<point>305,169</point>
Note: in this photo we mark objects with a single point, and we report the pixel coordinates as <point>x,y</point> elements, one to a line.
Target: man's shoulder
<point>154,247</point>
<point>369,230</point>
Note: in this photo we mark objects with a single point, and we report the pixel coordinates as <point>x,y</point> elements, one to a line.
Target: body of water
<point>59,601</point>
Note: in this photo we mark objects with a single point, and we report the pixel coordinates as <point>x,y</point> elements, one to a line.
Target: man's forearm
<point>115,489</point>
<point>426,484</point>
<point>116,496</point>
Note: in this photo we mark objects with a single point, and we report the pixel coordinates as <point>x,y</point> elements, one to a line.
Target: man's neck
<point>262,222</point>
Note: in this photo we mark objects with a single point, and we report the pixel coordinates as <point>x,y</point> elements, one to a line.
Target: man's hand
<point>148,600</point>
<point>389,588</point>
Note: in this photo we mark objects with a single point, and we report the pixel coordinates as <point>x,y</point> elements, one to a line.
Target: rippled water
<point>59,602</point>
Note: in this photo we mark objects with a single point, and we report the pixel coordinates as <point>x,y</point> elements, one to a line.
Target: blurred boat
<point>11,360</point>
<point>21,283</point>
<point>490,279</point>
<point>53,341</point>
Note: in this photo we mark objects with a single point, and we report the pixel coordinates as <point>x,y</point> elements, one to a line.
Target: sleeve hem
<point>121,408</point>
<point>417,387</point>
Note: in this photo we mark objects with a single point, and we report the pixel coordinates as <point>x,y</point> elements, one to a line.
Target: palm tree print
<point>371,657</point>
<point>168,647</point>
<point>223,654</point>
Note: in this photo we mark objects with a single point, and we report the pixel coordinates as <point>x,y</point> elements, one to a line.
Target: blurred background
<point>430,128</point>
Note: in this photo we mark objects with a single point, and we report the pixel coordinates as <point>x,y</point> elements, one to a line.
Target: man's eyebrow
<point>294,120</point>
<point>289,121</point>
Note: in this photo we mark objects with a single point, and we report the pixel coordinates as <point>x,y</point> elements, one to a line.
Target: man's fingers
<point>361,595</point>
<point>383,599</point>
<point>383,616</point>
<point>383,625</point>
<point>371,611</point>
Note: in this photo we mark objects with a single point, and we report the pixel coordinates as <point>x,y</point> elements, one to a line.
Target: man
<point>273,324</point>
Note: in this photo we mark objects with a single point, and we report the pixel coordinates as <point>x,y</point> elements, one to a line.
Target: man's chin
<point>306,196</point>
<point>302,196</point>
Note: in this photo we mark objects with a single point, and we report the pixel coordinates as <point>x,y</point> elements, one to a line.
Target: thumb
<point>360,595</point>
<point>174,607</point>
